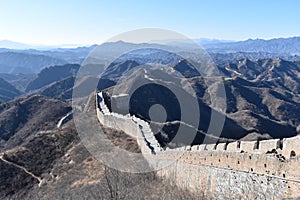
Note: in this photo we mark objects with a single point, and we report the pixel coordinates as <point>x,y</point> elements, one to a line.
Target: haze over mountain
<point>262,96</point>
<point>8,44</point>
<point>32,61</point>
<point>19,62</point>
<point>277,45</point>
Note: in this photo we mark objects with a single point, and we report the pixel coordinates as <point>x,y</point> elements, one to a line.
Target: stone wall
<point>131,125</point>
<point>222,183</point>
<point>219,171</point>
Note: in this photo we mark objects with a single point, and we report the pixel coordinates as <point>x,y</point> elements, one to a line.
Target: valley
<point>253,91</point>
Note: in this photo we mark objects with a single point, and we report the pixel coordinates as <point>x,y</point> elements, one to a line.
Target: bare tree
<point>117,183</point>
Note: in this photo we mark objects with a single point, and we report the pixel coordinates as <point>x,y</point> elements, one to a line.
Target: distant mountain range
<point>8,44</point>
<point>14,45</point>
<point>19,62</point>
<point>278,46</point>
<point>260,87</point>
<point>30,60</point>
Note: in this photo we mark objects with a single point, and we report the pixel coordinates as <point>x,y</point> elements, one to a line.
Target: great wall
<point>268,169</point>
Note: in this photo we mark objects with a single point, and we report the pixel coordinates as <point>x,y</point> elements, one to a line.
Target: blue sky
<point>86,22</point>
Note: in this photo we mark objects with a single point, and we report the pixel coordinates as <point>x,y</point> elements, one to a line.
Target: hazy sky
<point>86,22</point>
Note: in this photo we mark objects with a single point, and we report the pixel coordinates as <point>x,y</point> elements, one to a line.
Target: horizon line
<point>69,46</point>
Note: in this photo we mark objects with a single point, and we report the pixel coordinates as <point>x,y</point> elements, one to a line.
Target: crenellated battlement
<point>288,147</point>
<point>131,125</point>
<point>268,163</point>
<point>138,128</point>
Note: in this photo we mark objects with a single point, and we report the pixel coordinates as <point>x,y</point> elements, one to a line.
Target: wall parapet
<point>259,161</point>
<point>288,147</point>
<point>131,125</point>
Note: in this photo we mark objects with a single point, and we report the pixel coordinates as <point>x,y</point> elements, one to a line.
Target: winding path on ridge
<point>20,167</point>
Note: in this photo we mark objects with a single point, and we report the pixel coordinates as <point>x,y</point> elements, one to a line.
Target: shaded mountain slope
<point>63,89</point>
<point>52,74</point>
<point>156,92</point>
<point>60,89</point>
<point>22,117</point>
<point>54,164</point>
<point>271,73</point>
<point>7,91</point>
<point>19,80</point>
<point>262,97</point>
